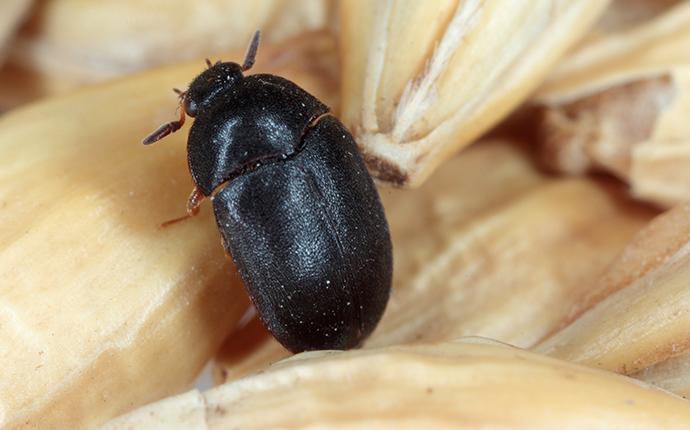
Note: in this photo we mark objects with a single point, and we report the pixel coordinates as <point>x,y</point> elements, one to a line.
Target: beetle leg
<point>180,94</point>
<point>193,203</point>
<point>251,52</point>
<point>165,130</point>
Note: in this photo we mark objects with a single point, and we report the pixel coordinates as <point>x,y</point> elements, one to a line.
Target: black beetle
<point>293,201</point>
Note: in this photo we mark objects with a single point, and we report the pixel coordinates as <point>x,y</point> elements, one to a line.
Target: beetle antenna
<point>251,52</point>
<point>208,63</point>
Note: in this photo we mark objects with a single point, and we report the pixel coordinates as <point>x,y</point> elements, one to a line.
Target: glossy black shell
<point>297,211</point>
<point>260,119</point>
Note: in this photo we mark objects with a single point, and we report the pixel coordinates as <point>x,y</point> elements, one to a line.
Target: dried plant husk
<point>471,383</point>
<point>12,12</point>
<point>672,374</point>
<point>479,249</point>
<point>68,43</point>
<point>420,80</point>
<point>636,320</point>
<point>620,104</point>
<point>625,14</point>
<point>102,309</point>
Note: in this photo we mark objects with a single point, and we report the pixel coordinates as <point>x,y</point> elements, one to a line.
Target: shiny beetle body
<point>294,204</point>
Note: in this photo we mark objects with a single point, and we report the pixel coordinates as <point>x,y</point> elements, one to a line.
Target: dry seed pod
<point>620,103</point>
<point>71,42</point>
<point>640,314</point>
<point>101,308</point>
<point>483,254</point>
<point>12,12</point>
<point>422,79</point>
<point>448,385</point>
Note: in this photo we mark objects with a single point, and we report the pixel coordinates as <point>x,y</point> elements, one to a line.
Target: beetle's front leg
<point>165,130</point>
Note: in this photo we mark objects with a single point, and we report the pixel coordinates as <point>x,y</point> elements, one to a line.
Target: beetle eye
<point>190,107</point>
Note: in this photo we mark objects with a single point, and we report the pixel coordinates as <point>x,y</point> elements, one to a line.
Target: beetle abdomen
<point>310,240</point>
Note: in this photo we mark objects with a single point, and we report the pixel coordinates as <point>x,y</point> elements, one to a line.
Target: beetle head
<point>218,79</point>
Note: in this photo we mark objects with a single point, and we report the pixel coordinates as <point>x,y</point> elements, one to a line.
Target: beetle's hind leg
<point>193,203</point>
